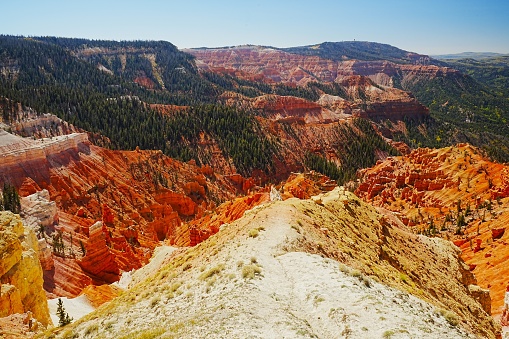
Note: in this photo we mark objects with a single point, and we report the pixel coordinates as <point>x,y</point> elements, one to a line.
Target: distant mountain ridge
<point>78,78</point>
<point>492,71</point>
<point>468,55</point>
<point>361,50</point>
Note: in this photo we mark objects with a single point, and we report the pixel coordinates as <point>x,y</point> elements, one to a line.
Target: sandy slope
<point>76,307</point>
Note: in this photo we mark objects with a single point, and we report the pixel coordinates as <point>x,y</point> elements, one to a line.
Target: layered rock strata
<point>141,198</point>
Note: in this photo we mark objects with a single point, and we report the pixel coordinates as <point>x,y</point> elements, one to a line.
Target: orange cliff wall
<point>141,197</point>
<point>11,154</point>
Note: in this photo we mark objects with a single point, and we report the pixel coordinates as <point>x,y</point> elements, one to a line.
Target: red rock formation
<point>141,196</point>
<point>200,229</point>
<point>293,109</point>
<point>497,233</point>
<point>167,109</point>
<point>145,82</point>
<point>301,186</point>
<point>429,184</point>
<point>98,260</point>
<point>368,84</point>
<point>270,65</point>
<point>364,99</point>
<point>181,203</point>
<point>108,216</point>
<point>98,295</point>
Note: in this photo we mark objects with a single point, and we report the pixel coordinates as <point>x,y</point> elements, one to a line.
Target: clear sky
<point>428,27</point>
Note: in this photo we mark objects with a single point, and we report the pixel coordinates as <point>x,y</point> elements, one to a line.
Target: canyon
<point>104,211</point>
<point>195,249</point>
<point>369,86</point>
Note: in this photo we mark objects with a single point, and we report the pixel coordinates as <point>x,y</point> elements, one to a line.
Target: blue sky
<point>428,27</point>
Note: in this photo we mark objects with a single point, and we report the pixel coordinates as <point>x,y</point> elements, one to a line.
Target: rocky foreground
<point>302,268</point>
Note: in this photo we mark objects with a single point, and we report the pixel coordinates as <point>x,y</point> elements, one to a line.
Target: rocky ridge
<point>277,66</point>
<point>257,277</point>
<point>26,122</point>
<point>369,87</point>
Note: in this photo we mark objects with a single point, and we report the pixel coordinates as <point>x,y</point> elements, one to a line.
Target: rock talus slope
<point>327,266</point>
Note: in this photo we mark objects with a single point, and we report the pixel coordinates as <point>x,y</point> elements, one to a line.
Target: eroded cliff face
<point>369,85</point>
<point>276,66</point>
<point>140,198</point>
<point>454,193</point>
<point>21,275</point>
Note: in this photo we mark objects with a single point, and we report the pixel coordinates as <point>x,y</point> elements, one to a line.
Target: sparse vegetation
<point>63,316</point>
<point>145,334</point>
<point>388,334</point>
<point>356,273</point>
<point>211,272</point>
<point>450,316</point>
<point>296,228</point>
<point>250,271</point>
<point>366,281</point>
<point>403,277</point>
<point>253,233</point>
<point>9,201</point>
<point>92,328</point>
<point>154,301</point>
<point>175,286</point>
<point>318,299</point>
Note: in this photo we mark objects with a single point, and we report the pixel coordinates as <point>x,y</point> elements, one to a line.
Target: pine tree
<point>10,199</point>
<point>63,316</point>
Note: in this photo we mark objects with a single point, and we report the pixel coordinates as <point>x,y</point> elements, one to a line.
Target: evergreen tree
<point>10,199</point>
<point>63,316</point>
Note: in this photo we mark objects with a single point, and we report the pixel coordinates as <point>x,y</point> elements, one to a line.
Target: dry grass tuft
<point>250,271</point>
<point>213,271</point>
<point>253,233</point>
